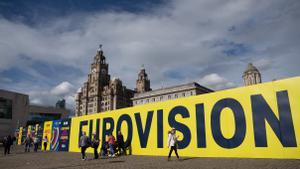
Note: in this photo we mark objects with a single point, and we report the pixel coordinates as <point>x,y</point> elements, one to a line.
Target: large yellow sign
<point>259,121</point>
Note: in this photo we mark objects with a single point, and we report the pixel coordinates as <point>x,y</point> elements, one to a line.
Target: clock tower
<point>99,93</point>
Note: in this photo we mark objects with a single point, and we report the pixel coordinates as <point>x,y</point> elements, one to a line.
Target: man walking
<point>7,142</point>
<point>36,143</point>
<point>95,145</point>
<point>84,144</point>
<point>28,141</point>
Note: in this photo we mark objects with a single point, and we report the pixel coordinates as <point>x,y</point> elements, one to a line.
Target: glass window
<point>5,108</point>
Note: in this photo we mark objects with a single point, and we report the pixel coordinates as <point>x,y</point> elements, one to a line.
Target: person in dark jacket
<point>7,142</point>
<point>95,145</point>
<point>103,150</point>
<point>121,144</point>
<point>28,142</point>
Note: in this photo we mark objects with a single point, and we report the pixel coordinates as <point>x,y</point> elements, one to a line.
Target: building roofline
<point>9,91</point>
<point>152,93</point>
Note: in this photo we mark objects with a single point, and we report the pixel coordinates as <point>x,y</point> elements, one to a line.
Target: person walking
<point>111,143</point>
<point>36,143</point>
<point>45,142</point>
<point>83,144</point>
<point>95,145</point>
<point>121,144</point>
<point>7,142</point>
<point>28,141</point>
<point>172,143</point>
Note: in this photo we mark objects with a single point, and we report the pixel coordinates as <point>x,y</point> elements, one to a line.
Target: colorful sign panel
<point>64,135</point>
<point>259,121</point>
<point>60,135</point>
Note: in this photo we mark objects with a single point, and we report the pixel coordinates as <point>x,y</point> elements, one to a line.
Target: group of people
<point>35,142</point>
<point>8,141</point>
<point>110,147</point>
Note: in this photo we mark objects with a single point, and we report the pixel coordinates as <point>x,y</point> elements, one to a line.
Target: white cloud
<point>216,82</point>
<point>62,89</point>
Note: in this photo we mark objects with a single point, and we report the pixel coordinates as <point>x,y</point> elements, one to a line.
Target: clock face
<point>94,70</point>
<point>103,71</point>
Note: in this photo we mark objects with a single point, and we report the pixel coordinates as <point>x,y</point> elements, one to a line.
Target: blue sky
<point>46,47</point>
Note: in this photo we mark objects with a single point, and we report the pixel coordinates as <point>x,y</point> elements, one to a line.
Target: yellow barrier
<point>259,121</point>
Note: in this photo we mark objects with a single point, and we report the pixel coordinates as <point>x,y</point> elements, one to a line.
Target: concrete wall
<point>19,112</point>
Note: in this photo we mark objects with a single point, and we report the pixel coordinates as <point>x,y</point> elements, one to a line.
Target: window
<point>176,96</point>
<point>169,96</point>
<point>161,97</point>
<point>5,108</point>
<point>183,94</point>
<point>153,99</point>
<point>147,100</point>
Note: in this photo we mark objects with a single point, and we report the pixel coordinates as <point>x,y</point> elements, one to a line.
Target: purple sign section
<point>54,142</point>
<point>60,135</point>
<point>64,135</point>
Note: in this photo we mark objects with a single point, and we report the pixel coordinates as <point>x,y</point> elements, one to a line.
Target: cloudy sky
<point>46,47</point>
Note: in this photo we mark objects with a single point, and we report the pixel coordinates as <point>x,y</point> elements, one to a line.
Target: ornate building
<point>251,75</point>
<point>99,93</point>
<point>145,95</point>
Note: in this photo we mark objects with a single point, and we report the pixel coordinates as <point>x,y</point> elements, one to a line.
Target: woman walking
<point>172,143</point>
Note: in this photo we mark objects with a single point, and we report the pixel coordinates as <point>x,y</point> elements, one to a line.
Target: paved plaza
<point>53,160</point>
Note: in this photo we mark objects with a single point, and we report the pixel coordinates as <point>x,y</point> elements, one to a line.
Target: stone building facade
<point>99,93</point>
<point>169,93</point>
<point>251,75</point>
<point>144,94</point>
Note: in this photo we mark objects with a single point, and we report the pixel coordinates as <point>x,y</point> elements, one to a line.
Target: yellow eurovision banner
<point>47,133</point>
<point>20,136</point>
<point>259,121</point>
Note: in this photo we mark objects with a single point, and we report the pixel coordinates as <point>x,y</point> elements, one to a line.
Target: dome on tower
<point>251,75</point>
<point>251,68</point>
